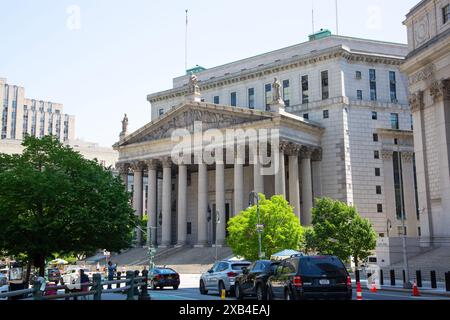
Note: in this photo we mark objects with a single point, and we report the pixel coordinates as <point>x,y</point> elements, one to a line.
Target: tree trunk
<point>39,262</point>
<point>27,279</point>
<point>355,258</point>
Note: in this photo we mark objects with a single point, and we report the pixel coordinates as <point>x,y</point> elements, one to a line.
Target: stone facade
<point>428,69</point>
<point>356,126</point>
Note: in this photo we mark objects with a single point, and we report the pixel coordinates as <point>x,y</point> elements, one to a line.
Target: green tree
<point>282,229</point>
<point>339,230</point>
<point>308,242</point>
<point>53,201</point>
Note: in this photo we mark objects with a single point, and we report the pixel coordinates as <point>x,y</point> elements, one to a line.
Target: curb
<point>431,293</point>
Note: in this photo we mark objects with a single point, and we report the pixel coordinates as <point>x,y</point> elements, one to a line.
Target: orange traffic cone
<point>358,291</point>
<point>374,287</point>
<point>416,292</point>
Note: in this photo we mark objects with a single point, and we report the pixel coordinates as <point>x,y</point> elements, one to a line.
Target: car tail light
<point>158,277</point>
<point>232,274</point>
<point>349,281</point>
<point>298,281</point>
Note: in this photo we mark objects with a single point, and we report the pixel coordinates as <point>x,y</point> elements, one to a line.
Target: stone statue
<point>124,127</point>
<point>276,91</point>
<point>193,84</point>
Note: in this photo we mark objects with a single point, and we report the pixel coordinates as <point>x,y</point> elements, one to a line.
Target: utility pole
<point>259,227</point>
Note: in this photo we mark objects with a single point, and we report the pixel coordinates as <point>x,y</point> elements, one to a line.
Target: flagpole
<point>186,44</point>
<point>337,18</point>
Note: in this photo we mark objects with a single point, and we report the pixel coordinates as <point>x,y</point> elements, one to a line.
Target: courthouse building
<point>428,69</point>
<point>345,132</point>
<point>22,116</point>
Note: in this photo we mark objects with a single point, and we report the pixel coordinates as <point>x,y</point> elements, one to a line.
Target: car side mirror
<point>210,271</point>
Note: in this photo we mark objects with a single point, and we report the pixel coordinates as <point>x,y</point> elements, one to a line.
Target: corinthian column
<point>238,185</point>
<point>137,168</point>
<point>306,216</point>
<point>182,204</point>
<point>202,212</point>
<point>152,200</point>
<point>124,169</point>
<point>220,202</point>
<point>167,203</point>
<point>280,174</point>
<point>294,185</point>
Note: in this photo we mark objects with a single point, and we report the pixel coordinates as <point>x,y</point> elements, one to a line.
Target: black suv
<point>310,277</point>
<point>254,279</point>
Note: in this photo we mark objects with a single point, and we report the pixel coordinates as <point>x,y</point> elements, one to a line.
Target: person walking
<point>112,268</point>
<point>84,282</point>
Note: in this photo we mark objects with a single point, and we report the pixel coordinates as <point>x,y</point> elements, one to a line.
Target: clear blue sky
<point>104,64</point>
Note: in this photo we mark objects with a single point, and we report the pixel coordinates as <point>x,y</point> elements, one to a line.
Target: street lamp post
<point>254,195</point>
<point>217,223</point>
<point>407,284</point>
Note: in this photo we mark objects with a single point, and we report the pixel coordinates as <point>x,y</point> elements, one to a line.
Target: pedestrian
<point>111,271</point>
<point>84,281</point>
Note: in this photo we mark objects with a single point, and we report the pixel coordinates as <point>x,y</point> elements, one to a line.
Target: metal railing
<point>132,285</point>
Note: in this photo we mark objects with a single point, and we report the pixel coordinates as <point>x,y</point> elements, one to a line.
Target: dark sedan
<point>252,283</point>
<point>163,277</point>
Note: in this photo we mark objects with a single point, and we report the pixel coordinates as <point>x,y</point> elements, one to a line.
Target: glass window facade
<point>251,98</point>
<point>359,94</point>
<point>5,110</point>
<point>393,87</point>
<point>233,99</point>
<point>325,85</point>
<point>268,95</point>
<point>398,185</point>
<point>286,93</point>
<point>394,121</point>
<point>25,121</point>
<point>373,84</point>
<point>305,90</point>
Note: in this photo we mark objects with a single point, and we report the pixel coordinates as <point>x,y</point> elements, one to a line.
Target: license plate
<point>324,282</point>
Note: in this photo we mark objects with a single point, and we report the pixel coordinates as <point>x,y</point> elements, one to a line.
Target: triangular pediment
<point>185,117</point>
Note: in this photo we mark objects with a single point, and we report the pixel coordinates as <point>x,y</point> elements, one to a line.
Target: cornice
<point>337,52</point>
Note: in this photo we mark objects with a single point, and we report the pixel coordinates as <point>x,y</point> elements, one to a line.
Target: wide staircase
<point>185,260</point>
<point>437,259</point>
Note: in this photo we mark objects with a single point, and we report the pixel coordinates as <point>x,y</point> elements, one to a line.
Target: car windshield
<point>319,266</point>
<point>165,271</point>
<point>239,266</point>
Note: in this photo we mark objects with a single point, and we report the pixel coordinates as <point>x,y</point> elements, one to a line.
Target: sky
<point>101,58</point>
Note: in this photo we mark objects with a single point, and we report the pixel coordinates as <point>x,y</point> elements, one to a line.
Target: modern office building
<point>341,108</point>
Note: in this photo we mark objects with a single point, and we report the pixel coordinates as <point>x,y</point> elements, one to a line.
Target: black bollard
<point>419,278</point>
<point>144,288</point>
<point>433,280</point>
<point>119,277</point>
<point>381,278</point>
<point>357,276</point>
<point>404,276</point>
<point>393,278</point>
<point>447,281</point>
<point>136,288</point>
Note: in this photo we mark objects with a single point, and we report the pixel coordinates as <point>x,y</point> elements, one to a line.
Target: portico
<point>215,178</point>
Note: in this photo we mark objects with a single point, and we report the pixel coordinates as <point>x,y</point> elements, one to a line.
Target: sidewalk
<point>426,288</point>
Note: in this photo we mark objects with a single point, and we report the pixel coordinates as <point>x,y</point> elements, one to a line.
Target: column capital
<point>293,149</point>
<point>407,156</point>
<point>166,162</point>
<point>152,164</point>
<point>416,101</point>
<point>137,166</point>
<point>306,152</point>
<point>440,90</point>
<point>317,154</point>
<point>387,154</point>
<point>123,168</point>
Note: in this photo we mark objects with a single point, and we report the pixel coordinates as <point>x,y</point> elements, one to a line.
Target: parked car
<point>54,275</point>
<point>253,281</point>
<point>310,277</point>
<point>163,277</point>
<point>222,276</point>
<point>71,277</point>
<point>4,286</point>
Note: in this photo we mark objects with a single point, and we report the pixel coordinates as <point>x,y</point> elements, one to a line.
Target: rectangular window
<point>305,90</point>
<point>375,137</point>
<point>374,115</point>
<point>233,99</point>
<point>358,75</point>
<point>412,122</point>
<point>376,155</point>
<point>377,172</point>
<point>286,93</point>
<point>161,112</point>
<point>306,116</point>
<point>398,185</point>
<point>394,121</point>
<point>373,84</point>
<point>445,14</point>
<point>393,87</point>
<point>378,189</point>
<point>251,98</point>
<point>216,100</point>
<point>325,87</point>
<point>326,114</point>
<point>189,228</point>
<point>268,95</point>
<point>359,94</point>
<point>379,208</point>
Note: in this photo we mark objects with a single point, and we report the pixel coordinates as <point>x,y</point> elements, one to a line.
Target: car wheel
<point>161,288</point>
<point>175,287</point>
<point>260,294</point>
<point>238,292</point>
<point>221,288</point>
<point>203,290</point>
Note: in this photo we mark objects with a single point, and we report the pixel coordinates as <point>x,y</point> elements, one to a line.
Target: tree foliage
<point>282,229</point>
<point>340,230</point>
<point>52,200</point>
